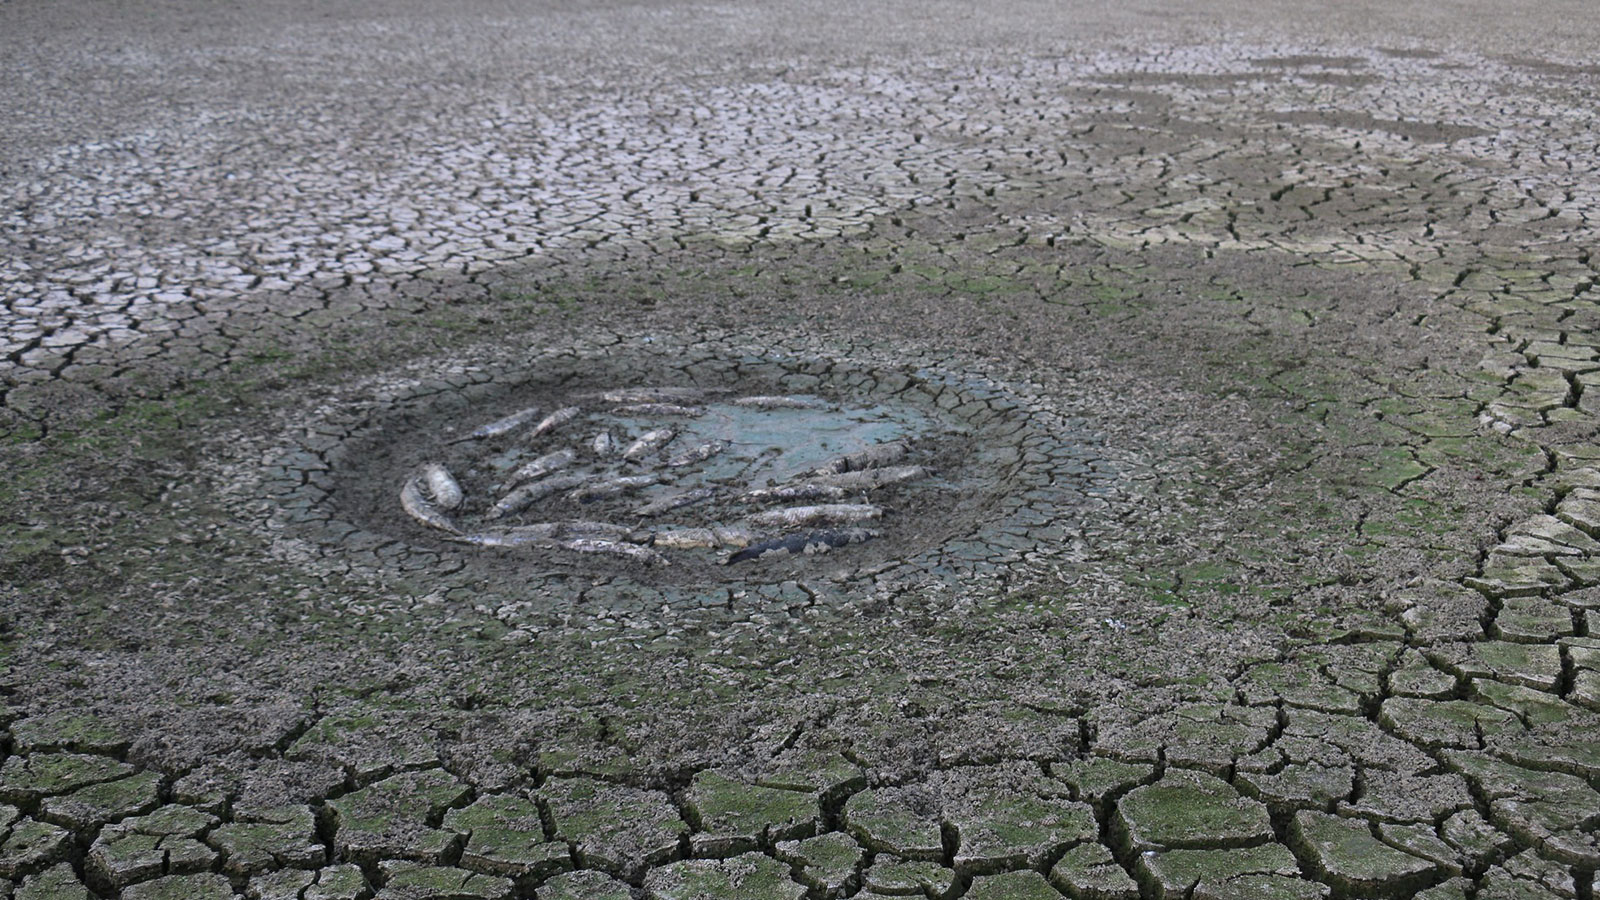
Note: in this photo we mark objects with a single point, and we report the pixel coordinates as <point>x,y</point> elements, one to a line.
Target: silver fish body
<point>442,486</point>
<point>653,395</point>
<point>698,454</point>
<point>769,401</point>
<point>544,465</point>
<point>702,538</point>
<point>555,420</point>
<point>822,514</point>
<point>808,491</point>
<point>419,507</point>
<point>539,533</point>
<point>735,535</point>
<point>674,501</point>
<point>867,479</point>
<point>648,443</point>
<point>611,530</point>
<point>612,487</point>
<point>659,409</point>
<point>504,425</point>
<point>545,533</point>
<point>684,539</point>
<point>614,548</point>
<point>809,543</point>
<point>873,457</point>
<point>525,496</point>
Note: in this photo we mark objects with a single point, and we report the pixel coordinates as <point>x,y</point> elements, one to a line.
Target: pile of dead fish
<point>833,513</point>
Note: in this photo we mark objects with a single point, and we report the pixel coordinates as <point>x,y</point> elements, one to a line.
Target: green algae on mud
<point>1260,500</point>
<point>159,431</point>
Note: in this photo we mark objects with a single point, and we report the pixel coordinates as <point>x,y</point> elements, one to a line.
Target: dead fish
<point>543,533</point>
<point>809,543</point>
<point>659,409</point>
<point>503,426</point>
<point>615,548</point>
<point>543,466</point>
<point>867,479</point>
<point>699,454</point>
<point>555,420</point>
<point>442,486</point>
<point>612,487</point>
<point>648,443</point>
<point>519,536</point>
<point>871,458</point>
<point>652,395</point>
<point>823,514</point>
<point>609,530</point>
<point>735,535</point>
<point>684,539</point>
<point>702,538</point>
<point>768,401</point>
<point>808,491</point>
<point>422,509</point>
<point>604,445</point>
<point>528,494</point>
<point>657,507</point>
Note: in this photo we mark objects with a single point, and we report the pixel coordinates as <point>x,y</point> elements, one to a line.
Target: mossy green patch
<point>68,730</point>
<point>738,814</point>
<point>1189,810</point>
<point>31,846</point>
<point>1089,870</point>
<point>1012,886</point>
<point>893,876</point>
<point>1344,852</point>
<point>390,819</point>
<point>613,827</point>
<point>903,821</point>
<point>269,839</point>
<point>182,887</point>
<point>584,885</point>
<point>1175,873</point>
<point>751,876</point>
<point>505,836</point>
<point>1098,778</point>
<point>56,883</point>
<point>97,804</point>
<point>826,863</point>
<point>26,779</point>
<point>414,881</point>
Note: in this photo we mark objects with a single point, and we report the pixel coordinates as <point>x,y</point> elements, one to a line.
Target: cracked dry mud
<point>1249,354</point>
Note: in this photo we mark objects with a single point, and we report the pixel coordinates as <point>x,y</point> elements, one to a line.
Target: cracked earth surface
<point>1251,355</point>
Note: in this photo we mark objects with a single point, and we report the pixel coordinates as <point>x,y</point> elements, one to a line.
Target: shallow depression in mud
<point>676,479</point>
<point>688,463</point>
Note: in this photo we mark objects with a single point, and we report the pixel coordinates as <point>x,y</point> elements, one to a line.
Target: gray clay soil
<point>1251,350</point>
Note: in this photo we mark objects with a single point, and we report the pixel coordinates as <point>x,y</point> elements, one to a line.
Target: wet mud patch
<point>1307,60</point>
<point>1194,80</point>
<point>1408,129</point>
<point>683,467</point>
<point>1551,67</point>
<point>1337,79</point>
<point>1409,53</point>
